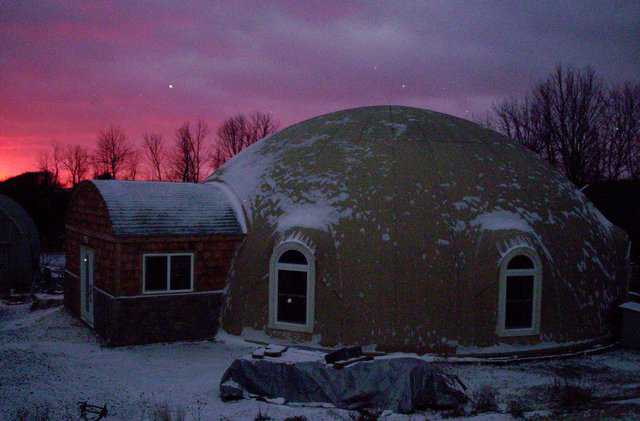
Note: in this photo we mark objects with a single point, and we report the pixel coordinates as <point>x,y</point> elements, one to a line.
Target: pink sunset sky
<point>69,69</point>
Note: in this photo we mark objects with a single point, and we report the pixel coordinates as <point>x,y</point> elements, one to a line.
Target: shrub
<point>38,413</point>
<point>262,417</point>
<point>162,412</point>
<point>366,415</point>
<point>484,400</point>
<point>570,395</point>
<point>516,408</point>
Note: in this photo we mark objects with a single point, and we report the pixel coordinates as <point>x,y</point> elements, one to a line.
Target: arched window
<point>292,288</point>
<point>520,293</point>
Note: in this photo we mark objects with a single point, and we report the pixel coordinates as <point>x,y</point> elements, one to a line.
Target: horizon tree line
<point>585,128</point>
<point>186,158</point>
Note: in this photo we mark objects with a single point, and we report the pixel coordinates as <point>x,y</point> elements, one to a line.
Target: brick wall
<point>160,318</point>
<point>88,210</point>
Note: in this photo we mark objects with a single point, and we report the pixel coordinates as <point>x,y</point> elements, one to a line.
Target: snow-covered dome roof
<point>160,208</point>
<point>365,163</point>
<point>400,199</point>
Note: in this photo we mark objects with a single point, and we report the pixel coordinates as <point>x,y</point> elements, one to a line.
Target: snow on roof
<point>631,305</point>
<point>160,208</point>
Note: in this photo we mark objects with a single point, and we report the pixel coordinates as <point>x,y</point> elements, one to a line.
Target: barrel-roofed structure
<point>19,247</point>
<point>418,231</point>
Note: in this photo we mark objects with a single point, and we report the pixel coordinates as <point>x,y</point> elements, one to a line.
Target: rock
<point>231,391</point>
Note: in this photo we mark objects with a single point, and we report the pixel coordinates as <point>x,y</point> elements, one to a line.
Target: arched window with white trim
<point>292,288</point>
<point>520,293</point>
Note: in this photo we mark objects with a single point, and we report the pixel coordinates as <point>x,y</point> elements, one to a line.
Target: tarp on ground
<point>402,385</point>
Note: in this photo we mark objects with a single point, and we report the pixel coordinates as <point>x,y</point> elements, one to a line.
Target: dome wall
<point>409,214</point>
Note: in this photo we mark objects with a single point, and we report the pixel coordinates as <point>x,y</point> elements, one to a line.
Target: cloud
<point>69,69</point>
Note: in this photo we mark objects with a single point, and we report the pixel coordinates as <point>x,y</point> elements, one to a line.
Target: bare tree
<point>155,154</point>
<point>190,152</point>
<point>262,125</point>
<point>621,134</point>
<point>238,132</point>
<point>112,153</point>
<point>567,120</point>
<point>199,149</point>
<point>76,160</point>
<point>50,162</point>
<point>131,165</point>
<point>232,136</point>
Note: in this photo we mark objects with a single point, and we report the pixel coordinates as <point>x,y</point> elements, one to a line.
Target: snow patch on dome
<point>608,226</point>
<point>399,128</point>
<point>501,220</point>
<point>247,170</point>
<point>316,216</point>
<point>343,120</point>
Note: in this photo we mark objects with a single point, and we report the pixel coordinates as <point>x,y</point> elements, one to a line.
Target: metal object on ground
<point>92,412</point>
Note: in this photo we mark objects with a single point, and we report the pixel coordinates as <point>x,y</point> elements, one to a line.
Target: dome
<point>409,220</point>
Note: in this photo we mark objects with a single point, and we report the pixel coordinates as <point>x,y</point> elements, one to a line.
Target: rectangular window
<point>292,296</point>
<point>519,308</point>
<point>169,272</point>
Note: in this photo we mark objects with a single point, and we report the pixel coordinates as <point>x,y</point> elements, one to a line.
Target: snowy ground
<point>55,262</point>
<point>49,361</point>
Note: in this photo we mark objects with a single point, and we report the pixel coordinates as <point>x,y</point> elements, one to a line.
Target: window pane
<point>4,258</point>
<point>519,315</point>
<point>519,288</point>
<point>519,305</point>
<point>155,273</point>
<point>180,272</point>
<point>292,282</point>
<point>293,256</point>
<point>292,297</point>
<point>520,262</point>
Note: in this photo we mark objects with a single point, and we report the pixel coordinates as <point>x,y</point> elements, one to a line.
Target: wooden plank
<point>275,351</point>
<point>258,354</point>
<point>343,363</point>
<point>343,354</point>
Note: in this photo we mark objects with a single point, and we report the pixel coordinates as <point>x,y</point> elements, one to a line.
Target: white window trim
<point>168,290</point>
<point>274,266</point>
<point>88,317</point>
<point>536,272</point>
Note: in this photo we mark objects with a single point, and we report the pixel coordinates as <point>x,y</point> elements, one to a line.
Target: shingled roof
<point>140,208</point>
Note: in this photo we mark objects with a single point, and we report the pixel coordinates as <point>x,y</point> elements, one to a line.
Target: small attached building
<point>148,261</point>
<point>19,247</point>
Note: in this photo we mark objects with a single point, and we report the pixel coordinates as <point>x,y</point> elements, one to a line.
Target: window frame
<point>634,279</point>
<point>309,268</point>
<point>536,272</point>
<point>168,256</point>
